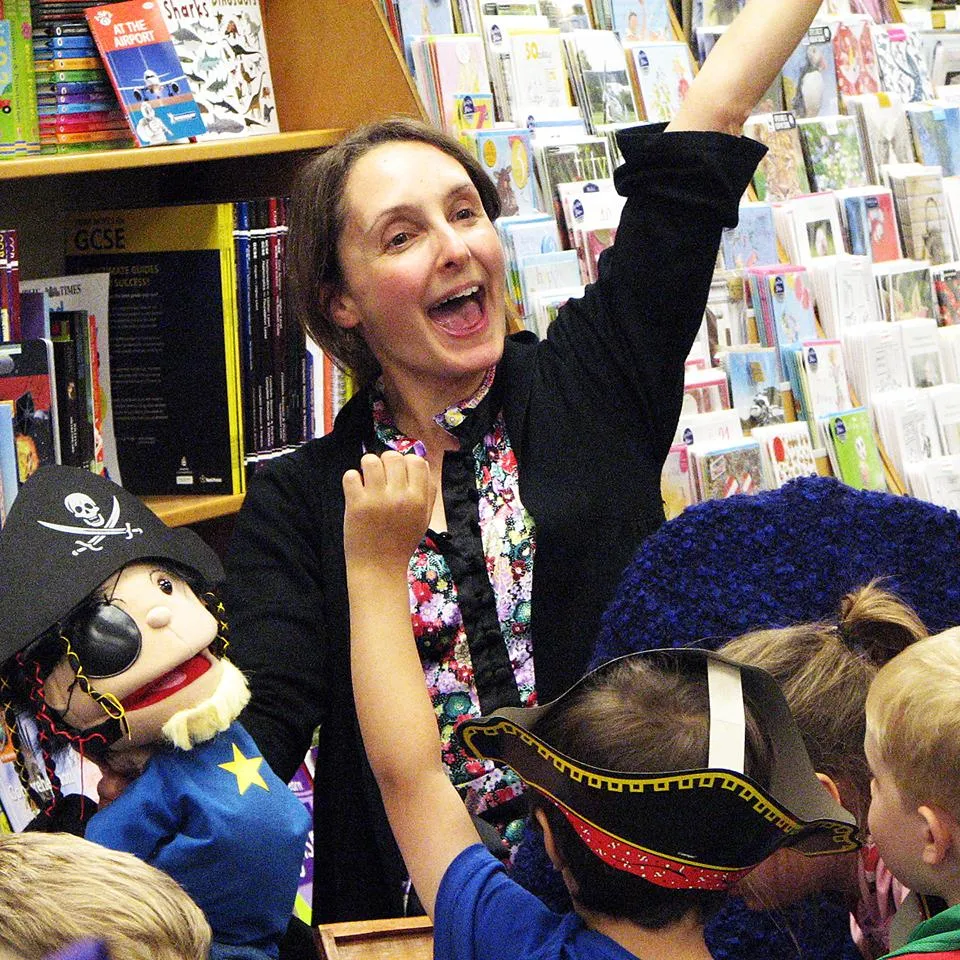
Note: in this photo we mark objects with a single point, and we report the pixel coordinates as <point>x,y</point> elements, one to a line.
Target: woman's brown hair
<point>317,216</point>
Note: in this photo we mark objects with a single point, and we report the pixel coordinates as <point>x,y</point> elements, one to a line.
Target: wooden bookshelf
<point>192,508</point>
<point>334,64</point>
<point>409,938</point>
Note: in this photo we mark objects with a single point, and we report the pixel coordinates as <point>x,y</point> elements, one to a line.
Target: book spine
<point>11,278</point>
<point>65,385</point>
<point>244,315</point>
<point>262,322</point>
<point>278,345</point>
<point>24,77</point>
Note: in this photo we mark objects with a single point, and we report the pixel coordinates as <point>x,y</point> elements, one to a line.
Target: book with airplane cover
<point>174,355</point>
<point>145,71</point>
<point>223,49</point>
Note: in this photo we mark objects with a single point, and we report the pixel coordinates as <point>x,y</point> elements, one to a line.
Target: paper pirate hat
<point>688,829</point>
<point>68,531</point>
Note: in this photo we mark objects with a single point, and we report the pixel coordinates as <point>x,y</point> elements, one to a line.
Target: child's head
<point>913,747</point>
<point>662,719</point>
<point>825,669</point>
<point>661,779</point>
<point>57,889</point>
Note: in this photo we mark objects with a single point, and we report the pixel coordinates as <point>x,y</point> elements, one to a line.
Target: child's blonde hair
<point>825,669</point>
<point>913,714</point>
<point>57,889</point>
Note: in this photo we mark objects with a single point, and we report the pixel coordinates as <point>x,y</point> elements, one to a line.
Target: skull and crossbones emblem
<point>85,510</point>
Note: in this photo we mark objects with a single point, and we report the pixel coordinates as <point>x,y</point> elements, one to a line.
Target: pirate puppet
<point>690,829</point>
<point>113,643</point>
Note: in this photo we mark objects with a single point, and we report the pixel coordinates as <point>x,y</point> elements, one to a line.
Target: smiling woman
<point>548,453</point>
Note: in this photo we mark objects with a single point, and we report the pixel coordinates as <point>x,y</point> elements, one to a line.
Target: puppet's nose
<point>158,617</point>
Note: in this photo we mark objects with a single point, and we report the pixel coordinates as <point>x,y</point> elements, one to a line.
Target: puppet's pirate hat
<point>68,531</point>
<point>687,829</point>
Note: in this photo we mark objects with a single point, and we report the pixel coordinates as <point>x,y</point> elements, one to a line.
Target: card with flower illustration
<point>831,148</point>
<point>809,76</point>
<point>854,57</point>
<point>662,74</point>
<point>782,172</point>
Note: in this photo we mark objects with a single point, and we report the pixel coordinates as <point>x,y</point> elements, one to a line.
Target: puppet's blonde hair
<point>57,889</point>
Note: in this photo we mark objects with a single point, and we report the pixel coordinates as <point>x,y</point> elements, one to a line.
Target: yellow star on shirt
<point>245,769</point>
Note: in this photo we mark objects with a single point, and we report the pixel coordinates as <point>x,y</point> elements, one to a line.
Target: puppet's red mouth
<point>168,684</point>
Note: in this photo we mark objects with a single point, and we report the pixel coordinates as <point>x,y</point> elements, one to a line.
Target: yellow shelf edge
<point>267,144</point>
<point>178,511</point>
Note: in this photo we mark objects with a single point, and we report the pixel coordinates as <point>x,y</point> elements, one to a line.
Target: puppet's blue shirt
<point>224,826</point>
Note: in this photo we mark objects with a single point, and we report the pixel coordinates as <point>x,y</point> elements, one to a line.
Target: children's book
<point>752,242</point>
<point>90,293</point>
<point>174,356</point>
<point>145,71</point>
<point>831,149</point>
<point>661,74</point>
<point>810,77</point>
<point>782,172</point>
<point>854,450</point>
<point>223,47</point>
<point>26,378</point>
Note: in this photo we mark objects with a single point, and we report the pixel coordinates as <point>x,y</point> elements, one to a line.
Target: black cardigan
<point>590,412</point>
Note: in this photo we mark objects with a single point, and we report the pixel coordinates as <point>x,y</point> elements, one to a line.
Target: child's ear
<point>941,834</point>
<point>549,843</point>
<point>830,785</point>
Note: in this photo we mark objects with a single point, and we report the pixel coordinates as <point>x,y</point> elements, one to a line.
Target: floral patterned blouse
<point>506,533</point>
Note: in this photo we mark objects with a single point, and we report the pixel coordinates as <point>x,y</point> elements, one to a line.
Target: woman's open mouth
<point>168,684</point>
<point>461,314</point>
